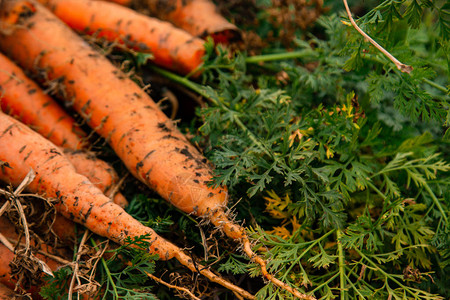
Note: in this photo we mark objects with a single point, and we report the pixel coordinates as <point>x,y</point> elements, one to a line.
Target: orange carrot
<point>5,271</point>
<point>198,17</point>
<point>100,173</point>
<point>22,98</point>
<point>22,150</point>
<point>147,142</point>
<point>64,229</point>
<point>171,47</point>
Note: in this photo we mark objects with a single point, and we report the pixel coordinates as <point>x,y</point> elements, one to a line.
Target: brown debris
<point>286,16</point>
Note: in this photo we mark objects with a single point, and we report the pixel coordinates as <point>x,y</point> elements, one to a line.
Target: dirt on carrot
<point>100,173</point>
<point>23,99</point>
<point>118,110</point>
<point>24,149</point>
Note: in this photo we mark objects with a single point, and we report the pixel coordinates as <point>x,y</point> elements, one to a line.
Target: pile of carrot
<point>23,99</point>
<point>117,109</point>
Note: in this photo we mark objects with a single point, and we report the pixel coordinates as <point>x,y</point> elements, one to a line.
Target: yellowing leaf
<point>330,152</point>
<point>276,206</point>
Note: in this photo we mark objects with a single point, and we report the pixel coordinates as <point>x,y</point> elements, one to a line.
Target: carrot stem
<point>341,263</point>
<point>401,66</point>
<point>108,273</point>
<point>183,81</point>
<point>280,56</point>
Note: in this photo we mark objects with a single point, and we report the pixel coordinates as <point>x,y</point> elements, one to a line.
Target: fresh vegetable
<point>101,175</point>
<point>147,142</point>
<point>22,98</point>
<point>171,47</point>
<point>198,17</point>
<point>22,150</point>
<point>7,256</point>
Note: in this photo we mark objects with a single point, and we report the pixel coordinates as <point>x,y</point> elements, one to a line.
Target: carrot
<point>148,143</point>
<point>5,272</point>
<point>22,150</point>
<point>198,17</point>
<point>100,173</point>
<point>22,98</point>
<point>171,47</point>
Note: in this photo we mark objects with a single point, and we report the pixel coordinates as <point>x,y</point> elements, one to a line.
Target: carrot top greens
<point>337,161</point>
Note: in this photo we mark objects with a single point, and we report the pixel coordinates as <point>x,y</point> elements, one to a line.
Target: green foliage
<point>57,283</point>
<point>349,150</point>
<point>128,281</point>
<point>233,265</point>
<point>340,162</point>
<point>143,209</point>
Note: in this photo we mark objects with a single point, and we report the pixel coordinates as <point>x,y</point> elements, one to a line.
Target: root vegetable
<point>100,173</point>
<point>143,137</point>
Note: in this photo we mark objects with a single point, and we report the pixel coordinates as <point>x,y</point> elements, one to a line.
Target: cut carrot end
<point>226,36</point>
